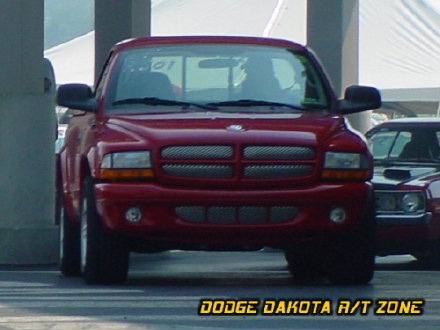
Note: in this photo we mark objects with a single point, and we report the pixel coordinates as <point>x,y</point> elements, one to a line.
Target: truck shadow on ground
<point>224,269</point>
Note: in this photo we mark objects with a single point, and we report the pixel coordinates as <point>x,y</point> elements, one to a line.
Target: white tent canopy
<point>399,39</point>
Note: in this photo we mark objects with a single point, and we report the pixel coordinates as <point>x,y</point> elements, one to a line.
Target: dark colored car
<point>217,144</point>
<point>407,187</point>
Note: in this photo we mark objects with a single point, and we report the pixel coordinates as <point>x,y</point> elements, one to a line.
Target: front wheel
<point>352,258</point>
<point>104,256</point>
<point>305,263</point>
<point>69,246</point>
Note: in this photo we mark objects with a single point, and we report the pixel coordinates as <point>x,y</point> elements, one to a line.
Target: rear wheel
<point>69,246</point>
<point>104,256</point>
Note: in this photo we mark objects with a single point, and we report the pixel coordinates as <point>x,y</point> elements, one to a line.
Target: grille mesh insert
<point>199,171</point>
<point>198,152</point>
<point>276,171</point>
<point>237,214</point>
<point>278,152</point>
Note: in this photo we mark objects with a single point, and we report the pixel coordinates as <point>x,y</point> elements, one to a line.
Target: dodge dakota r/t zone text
<point>216,144</point>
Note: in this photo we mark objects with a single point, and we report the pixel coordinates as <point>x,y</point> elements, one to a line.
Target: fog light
<point>133,214</point>
<point>338,215</point>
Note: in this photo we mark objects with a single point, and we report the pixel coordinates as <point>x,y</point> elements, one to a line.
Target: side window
<point>436,149</point>
<point>402,139</point>
<point>102,76</point>
<point>309,83</point>
<point>388,143</point>
<point>285,73</point>
<point>381,142</point>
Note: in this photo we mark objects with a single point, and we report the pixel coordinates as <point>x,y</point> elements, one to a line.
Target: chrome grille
<point>197,152</point>
<point>199,171</point>
<point>237,214</point>
<point>278,152</point>
<point>276,171</point>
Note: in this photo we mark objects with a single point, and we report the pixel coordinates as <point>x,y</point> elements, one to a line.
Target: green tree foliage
<point>66,19</point>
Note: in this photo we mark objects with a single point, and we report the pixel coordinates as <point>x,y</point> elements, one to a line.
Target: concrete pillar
<point>116,20</point>
<point>27,133</point>
<point>333,33</point>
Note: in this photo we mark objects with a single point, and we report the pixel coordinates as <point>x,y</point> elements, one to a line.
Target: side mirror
<point>360,98</point>
<point>76,96</point>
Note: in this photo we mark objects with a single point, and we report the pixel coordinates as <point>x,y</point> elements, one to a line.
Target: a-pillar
<point>27,134</point>
<point>333,33</point>
<point>116,20</point>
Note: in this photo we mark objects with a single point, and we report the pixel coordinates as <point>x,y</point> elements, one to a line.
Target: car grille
<point>276,171</point>
<point>197,152</point>
<point>240,164</point>
<point>199,171</point>
<point>278,152</point>
<point>237,214</point>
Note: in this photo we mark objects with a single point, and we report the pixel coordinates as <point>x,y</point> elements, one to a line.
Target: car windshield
<point>212,77</point>
<point>416,144</point>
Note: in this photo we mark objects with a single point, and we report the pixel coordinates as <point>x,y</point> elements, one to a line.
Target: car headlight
<point>129,159</point>
<point>400,202</point>
<point>411,202</point>
<point>345,160</point>
<point>346,166</point>
<point>126,165</point>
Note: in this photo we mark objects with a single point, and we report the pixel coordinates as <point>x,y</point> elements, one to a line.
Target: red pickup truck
<point>215,144</point>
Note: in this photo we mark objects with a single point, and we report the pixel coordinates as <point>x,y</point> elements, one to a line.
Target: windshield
<point>215,77</point>
<point>402,144</point>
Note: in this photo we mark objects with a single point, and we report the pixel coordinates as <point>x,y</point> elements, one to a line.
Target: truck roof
<point>167,40</point>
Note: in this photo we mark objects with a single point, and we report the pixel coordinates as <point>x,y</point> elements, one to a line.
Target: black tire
<point>104,256</point>
<point>305,263</point>
<point>352,259</point>
<point>69,262</point>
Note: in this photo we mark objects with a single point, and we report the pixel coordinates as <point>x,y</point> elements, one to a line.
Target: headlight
<point>346,166</point>
<point>345,160</point>
<point>411,202</point>
<point>400,202</point>
<point>131,159</point>
<point>129,165</point>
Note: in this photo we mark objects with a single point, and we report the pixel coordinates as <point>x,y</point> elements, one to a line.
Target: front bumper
<point>407,234</point>
<point>385,220</point>
<point>162,221</point>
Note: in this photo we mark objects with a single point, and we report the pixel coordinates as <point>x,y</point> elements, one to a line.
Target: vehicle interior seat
<point>419,147</point>
<point>260,81</point>
<point>149,84</point>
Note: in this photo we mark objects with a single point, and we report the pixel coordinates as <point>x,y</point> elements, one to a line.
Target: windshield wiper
<point>159,101</point>
<point>250,103</point>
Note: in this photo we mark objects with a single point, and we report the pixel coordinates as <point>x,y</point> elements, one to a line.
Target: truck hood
<point>212,127</point>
